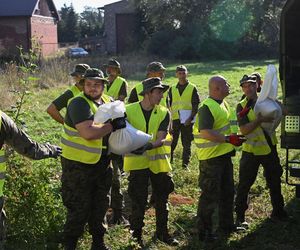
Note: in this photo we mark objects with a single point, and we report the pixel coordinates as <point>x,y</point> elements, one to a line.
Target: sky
<point>79,4</point>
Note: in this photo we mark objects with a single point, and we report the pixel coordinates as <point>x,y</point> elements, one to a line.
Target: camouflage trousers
<point>162,186</point>
<point>117,201</point>
<point>249,165</point>
<point>186,140</point>
<point>85,193</point>
<point>217,186</point>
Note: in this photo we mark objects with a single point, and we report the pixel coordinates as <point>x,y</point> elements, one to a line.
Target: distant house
<point>23,22</point>
<point>120,24</point>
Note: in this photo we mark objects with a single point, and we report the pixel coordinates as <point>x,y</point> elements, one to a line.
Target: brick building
<point>120,23</point>
<point>23,22</point>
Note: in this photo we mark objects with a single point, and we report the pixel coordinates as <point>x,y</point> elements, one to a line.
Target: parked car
<point>77,52</point>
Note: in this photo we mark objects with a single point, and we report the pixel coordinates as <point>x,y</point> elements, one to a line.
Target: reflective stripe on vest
<point>156,159</point>
<point>115,88</point>
<point>256,141</point>
<point>221,113</point>
<point>76,148</point>
<point>183,101</point>
<point>2,164</point>
<point>75,90</point>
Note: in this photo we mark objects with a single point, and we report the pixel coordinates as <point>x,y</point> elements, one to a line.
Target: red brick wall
<point>13,32</point>
<point>44,29</point>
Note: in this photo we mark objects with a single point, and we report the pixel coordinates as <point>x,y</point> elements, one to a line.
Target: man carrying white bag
<point>122,141</point>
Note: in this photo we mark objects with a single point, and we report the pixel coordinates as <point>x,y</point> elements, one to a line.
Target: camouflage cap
<point>113,63</point>
<point>94,74</point>
<point>181,68</point>
<point>80,69</point>
<point>155,67</point>
<point>247,78</point>
<point>152,83</point>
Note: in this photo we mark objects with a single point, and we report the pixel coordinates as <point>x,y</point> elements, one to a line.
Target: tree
<point>68,28</point>
<point>91,22</point>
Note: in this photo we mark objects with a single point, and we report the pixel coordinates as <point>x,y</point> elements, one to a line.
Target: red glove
<point>236,140</point>
<point>243,112</point>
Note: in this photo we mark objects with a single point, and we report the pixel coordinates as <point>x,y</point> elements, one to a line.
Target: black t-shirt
<point>62,101</point>
<point>133,96</point>
<point>164,125</point>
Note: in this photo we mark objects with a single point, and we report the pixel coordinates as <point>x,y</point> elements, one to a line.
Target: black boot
<point>166,238</point>
<point>137,236</point>
<point>118,218</point>
<point>70,243</point>
<point>98,243</point>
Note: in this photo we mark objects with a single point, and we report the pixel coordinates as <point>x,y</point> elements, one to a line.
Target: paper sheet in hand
<point>184,114</point>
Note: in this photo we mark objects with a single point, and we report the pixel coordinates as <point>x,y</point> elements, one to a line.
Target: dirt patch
<point>177,200</point>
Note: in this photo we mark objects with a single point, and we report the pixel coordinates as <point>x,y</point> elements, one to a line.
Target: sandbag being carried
<point>266,103</point>
<point>126,140</point>
<point>111,110</point>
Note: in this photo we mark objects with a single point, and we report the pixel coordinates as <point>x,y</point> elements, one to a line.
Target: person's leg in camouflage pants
<point>215,180</point>
<point>85,190</point>
<point>117,199</point>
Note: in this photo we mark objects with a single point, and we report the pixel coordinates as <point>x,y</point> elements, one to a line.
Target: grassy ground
<point>35,210</point>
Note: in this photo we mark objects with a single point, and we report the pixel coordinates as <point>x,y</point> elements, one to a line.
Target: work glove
<point>243,112</point>
<point>54,151</point>
<point>142,149</point>
<point>118,123</point>
<point>236,140</point>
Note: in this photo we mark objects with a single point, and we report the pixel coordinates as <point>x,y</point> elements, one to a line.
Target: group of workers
<point>88,180</point>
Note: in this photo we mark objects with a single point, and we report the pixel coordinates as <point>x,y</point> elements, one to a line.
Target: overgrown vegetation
<point>34,207</point>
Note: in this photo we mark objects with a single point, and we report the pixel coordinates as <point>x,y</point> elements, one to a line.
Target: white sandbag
<point>109,110</point>
<point>266,102</point>
<point>269,108</point>
<point>124,141</point>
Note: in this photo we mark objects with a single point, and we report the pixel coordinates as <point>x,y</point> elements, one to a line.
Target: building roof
<point>22,7</point>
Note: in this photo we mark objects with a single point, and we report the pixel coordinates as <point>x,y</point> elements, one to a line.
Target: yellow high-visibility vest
<point>76,148</point>
<point>2,164</point>
<point>221,113</point>
<point>75,90</point>
<point>157,159</point>
<point>181,102</point>
<point>256,141</point>
<point>115,87</point>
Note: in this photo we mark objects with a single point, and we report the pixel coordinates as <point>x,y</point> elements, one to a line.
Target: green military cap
<point>94,74</point>
<point>113,63</point>
<point>155,67</point>
<point>80,69</point>
<point>152,83</point>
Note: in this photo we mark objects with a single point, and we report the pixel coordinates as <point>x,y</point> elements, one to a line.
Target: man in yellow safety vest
<point>86,176</point>
<point>183,102</point>
<point>215,143</point>
<point>260,148</point>
<point>150,161</point>
<point>62,101</point>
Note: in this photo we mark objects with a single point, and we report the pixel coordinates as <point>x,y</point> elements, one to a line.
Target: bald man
<point>215,147</point>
